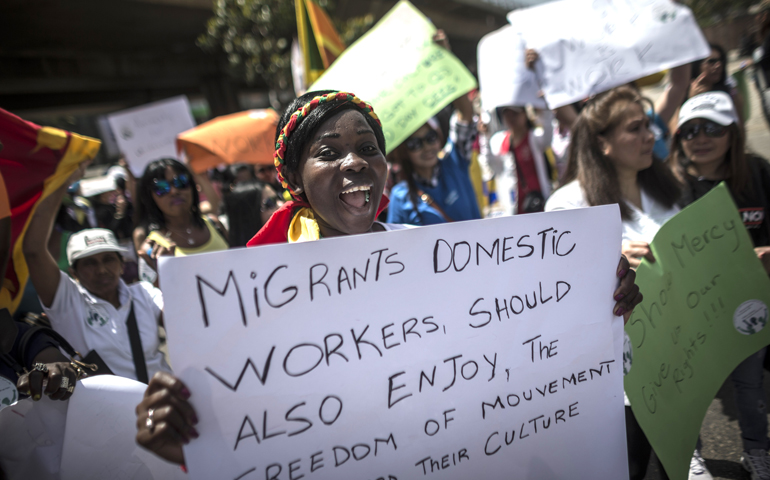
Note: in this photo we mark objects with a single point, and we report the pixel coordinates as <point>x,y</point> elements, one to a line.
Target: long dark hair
<point>595,172</point>
<point>309,124</point>
<point>721,84</point>
<point>243,206</point>
<point>400,156</point>
<point>147,212</point>
<point>738,177</point>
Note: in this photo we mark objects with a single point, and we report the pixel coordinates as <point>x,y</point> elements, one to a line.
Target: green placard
<point>704,311</point>
<point>398,68</point>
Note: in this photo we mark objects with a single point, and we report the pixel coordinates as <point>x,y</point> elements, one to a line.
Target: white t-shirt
<point>641,228</point>
<point>390,227</point>
<point>91,323</point>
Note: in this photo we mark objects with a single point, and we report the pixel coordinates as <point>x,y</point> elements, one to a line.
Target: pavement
<point>720,433</point>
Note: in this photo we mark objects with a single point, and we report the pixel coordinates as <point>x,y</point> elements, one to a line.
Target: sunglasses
<point>414,144</point>
<point>268,204</point>
<point>713,61</point>
<point>162,187</point>
<point>711,129</point>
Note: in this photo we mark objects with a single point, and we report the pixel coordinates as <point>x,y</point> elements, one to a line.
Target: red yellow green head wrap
<point>282,142</point>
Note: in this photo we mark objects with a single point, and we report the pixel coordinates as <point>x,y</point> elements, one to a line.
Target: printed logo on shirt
<point>752,217</point>
<point>96,318</point>
<point>452,197</point>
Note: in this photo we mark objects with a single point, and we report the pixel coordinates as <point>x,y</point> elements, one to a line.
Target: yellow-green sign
<point>705,310</point>
<point>398,68</point>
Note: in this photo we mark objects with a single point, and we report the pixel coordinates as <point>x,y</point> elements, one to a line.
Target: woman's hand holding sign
<point>165,419</point>
<point>627,294</point>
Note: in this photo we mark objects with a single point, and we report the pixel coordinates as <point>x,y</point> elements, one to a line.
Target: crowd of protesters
<point>92,247</point>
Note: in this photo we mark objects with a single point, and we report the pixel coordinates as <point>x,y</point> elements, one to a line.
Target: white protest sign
<point>32,438</point>
<point>468,350</point>
<point>590,46</point>
<point>504,78</point>
<point>148,132</point>
<point>100,436</point>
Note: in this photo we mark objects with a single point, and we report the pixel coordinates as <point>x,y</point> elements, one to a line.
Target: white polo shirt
<point>90,323</point>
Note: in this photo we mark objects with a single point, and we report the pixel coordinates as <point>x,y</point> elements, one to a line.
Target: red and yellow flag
<point>320,42</point>
<point>34,162</point>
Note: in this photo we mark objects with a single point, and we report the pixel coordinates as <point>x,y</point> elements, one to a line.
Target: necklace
<point>190,240</point>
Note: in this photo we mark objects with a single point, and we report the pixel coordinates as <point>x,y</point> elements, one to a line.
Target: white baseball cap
<point>90,187</point>
<point>90,242</point>
<point>715,106</point>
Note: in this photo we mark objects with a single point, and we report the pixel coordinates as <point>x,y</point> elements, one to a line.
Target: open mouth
<point>356,197</point>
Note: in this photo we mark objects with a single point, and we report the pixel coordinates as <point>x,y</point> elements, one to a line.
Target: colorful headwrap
<point>283,139</point>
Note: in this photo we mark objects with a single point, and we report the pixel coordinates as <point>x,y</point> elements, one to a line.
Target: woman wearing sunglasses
<point>710,75</point>
<point>709,147</point>
<point>434,182</point>
<point>169,213</point>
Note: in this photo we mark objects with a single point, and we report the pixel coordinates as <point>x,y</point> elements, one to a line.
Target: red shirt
<point>526,172</point>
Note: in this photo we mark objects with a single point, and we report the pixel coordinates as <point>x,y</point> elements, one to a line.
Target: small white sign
<point>590,46</point>
<point>504,79</point>
<point>148,132</point>
<point>477,349</point>
<point>101,427</point>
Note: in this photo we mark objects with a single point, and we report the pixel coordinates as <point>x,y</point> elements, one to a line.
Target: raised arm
<point>43,271</point>
<point>675,93</point>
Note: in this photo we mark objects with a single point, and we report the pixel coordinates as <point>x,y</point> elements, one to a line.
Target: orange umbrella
<point>245,137</point>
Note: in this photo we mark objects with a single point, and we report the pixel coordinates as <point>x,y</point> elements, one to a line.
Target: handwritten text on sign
<point>508,82</point>
<point>704,311</point>
<point>479,348</point>
<point>590,46</point>
<point>398,68</point>
<point>148,132</point>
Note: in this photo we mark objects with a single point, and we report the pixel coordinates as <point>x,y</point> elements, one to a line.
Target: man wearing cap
<point>97,310</point>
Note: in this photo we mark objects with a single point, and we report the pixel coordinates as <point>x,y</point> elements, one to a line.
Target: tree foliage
<point>708,12</point>
<point>256,37</point>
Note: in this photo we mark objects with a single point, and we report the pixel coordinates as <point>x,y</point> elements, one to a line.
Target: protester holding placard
<point>113,324</point>
<point>611,161</point>
<point>709,147</point>
<point>330,156</point>
<point>169,209</point>
<point>435,184</point>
